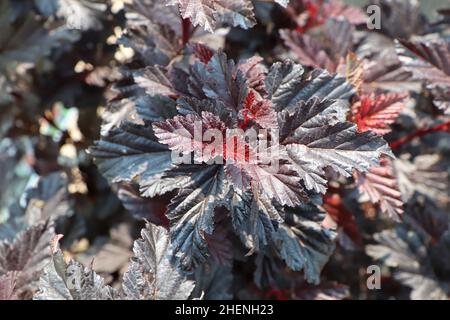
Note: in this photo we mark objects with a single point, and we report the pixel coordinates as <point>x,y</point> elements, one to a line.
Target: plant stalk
<point>420,133</point>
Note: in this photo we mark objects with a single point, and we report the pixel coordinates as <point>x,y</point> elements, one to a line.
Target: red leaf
<point>428,61</point>
<point>377,112</point>
<point>312,16</point>
<point>317,13</point>
<point>201,52</point>
<point>337,8</point>
<point>250,99</point>
<point>260,112</point>
<point>380,185</point>
<point>179,133</point>
<point>336,210</point>
<point>8,285</point>
<point>307,50</point>
<point>254,72</point>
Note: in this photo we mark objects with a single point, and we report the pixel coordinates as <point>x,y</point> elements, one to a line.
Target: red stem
<point>420,133</point>
<point>186,29</point>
